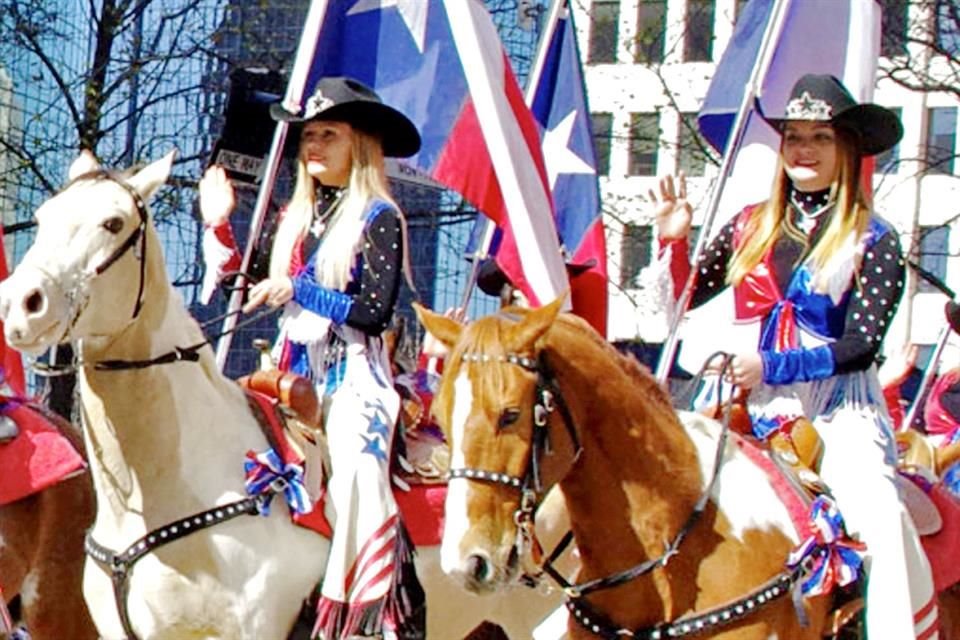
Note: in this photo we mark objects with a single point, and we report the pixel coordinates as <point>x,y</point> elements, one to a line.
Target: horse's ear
<point>534,325</point>
<point>149,179</point>
<point>444,329</point>
<point>85,163</point>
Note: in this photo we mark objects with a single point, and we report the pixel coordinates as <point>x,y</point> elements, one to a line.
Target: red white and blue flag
<point>442,64</point>
<point>558,99</point>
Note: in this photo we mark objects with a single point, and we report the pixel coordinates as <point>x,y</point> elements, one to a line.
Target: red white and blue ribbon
<point>828,556</point>
<point>266,472</point>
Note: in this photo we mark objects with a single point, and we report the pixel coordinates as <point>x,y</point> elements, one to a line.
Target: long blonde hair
<point>850,215</point>
<point>344,225</point>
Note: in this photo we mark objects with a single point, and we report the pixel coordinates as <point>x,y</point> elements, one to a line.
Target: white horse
<point>167,441</point>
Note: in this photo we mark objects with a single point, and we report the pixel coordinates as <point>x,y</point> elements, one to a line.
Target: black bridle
<point>547,400</point>
<point>138,235</point>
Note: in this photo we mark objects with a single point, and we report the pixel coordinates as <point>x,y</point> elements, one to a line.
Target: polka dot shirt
<point>375,291</point>
<point>876,291</point>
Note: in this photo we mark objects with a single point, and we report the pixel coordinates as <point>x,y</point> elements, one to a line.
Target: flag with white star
<point>558,99</point>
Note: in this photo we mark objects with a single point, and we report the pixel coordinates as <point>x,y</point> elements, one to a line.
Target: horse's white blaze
<point>743,490</point>
<point>456,520</point>
<point>28,590</point>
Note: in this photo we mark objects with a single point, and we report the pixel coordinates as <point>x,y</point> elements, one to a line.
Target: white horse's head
<point>84,274</point>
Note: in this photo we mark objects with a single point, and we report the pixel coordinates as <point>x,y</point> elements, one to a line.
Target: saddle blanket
<point>940,545</point>
<point>37,458</point>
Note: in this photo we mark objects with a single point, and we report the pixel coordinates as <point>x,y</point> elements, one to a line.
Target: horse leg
<point>18,524</point>
<point>948,602</point>
<point>53,605</point>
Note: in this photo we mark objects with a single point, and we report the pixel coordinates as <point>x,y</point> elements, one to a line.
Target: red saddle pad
<point>39,457</point>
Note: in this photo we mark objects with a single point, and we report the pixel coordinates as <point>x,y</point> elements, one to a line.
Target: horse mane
<point>571,334</point>
<point>570,338</point>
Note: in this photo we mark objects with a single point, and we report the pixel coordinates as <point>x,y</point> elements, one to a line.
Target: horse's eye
<point>508,417</point>
<point>113,225</point>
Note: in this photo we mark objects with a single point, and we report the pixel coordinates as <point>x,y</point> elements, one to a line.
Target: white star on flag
<point>558,155</point>
<point>413,12</point>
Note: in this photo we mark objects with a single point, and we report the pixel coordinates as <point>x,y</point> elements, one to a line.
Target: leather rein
<point>548,398</point>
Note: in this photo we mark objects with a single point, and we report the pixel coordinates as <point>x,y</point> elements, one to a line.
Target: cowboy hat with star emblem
<point>823,98</point>
<point>342,99</point>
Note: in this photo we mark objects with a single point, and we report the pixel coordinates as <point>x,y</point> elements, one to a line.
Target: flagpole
<point>543,46</point>
<point>292,99</point>
<point>751,91</point>
<point>482,252</point>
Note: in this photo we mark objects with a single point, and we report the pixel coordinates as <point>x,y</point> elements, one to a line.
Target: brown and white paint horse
<point>534,398</point>
<point>168,441</point>
<point>41,553</point>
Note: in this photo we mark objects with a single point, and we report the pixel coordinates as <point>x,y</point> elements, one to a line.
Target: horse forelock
<point>483,336</point>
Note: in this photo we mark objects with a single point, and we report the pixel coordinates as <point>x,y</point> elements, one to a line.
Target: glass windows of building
<point>948,27</point>
<point>934,246</point>
<point>602,133</point>
<point>604,16</point>
<point>893,39</point>
<point>941,139</point>
<point>649,44</point>
<point>692,151</point>
<point>644,141</point>
<point>889,160</point>
<point>635,253</point>
<point>698,37</point>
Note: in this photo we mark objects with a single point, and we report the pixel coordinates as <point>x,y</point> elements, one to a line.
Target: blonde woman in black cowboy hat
<point>337,300</point>
<point>823,276</point>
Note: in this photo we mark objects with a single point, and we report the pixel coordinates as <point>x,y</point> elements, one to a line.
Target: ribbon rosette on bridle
<point>828,557</point>
<point>266,471</point>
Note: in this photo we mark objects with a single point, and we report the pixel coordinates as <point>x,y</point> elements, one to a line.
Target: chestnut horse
<point>176,550</point>
<point>41,551</point>
<point>669,547</point>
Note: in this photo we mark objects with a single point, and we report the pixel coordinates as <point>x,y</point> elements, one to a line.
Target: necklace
<point>810,208</point>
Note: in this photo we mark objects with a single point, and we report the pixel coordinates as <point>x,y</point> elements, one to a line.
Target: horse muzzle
<point>34,310</point>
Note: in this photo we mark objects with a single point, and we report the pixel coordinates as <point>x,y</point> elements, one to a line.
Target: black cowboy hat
<point>823,98</point>
<point>347,100</point>
<point>491,279</point>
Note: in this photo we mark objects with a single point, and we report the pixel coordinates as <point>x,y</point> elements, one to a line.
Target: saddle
<point>296,400</point>
<point>797,448</point>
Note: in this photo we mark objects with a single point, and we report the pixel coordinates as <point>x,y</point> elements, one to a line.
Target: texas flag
<point>557,97</point>
<point>441,63</point>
